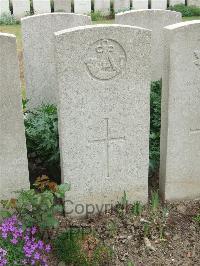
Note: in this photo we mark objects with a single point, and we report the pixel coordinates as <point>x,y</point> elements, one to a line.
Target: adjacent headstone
<point>4,7</point>
<point>41,7</point>
<point>21,8</point>
<point>180,131</point>
<point>38,38</point>
<point>13,155</point>
<point>104,81</point>
<point>159,4</point>
<point>121,5</point>
<point>62,5</point>
<point>193,3</point>
<point>102,6</point>
<point>139,4</point>
<point>82,6</point>
<point>176,2</point>
<point>154,20</point>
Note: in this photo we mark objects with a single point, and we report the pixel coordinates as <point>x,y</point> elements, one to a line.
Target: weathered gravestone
<point>103,6</point>
<point>176,2</point>
<point>82,6</point>
<point>159,4</point>
<point>41,7</point>
<point>104,82</point>
<point>62,5</point>
<point>38,38</point>
<point>13,154</point>
<point>139,4</point>
<point>21,8</point>
<point>4,7</point>
<point>121,5</point>
<point>154,20</point>
<point>180,133</point>
<point>193,3</point>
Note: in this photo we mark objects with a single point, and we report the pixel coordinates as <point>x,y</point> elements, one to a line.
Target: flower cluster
<point>33,251</point>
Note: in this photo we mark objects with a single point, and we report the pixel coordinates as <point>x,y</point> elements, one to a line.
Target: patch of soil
<point>167,235</point>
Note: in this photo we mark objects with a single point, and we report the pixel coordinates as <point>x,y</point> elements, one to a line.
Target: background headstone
<point>154,20</point>
<point>62,5</point>
<point>82,6</point>
<point>21,8</point>
<point>176,2</point>
<point>41,7</point>
<point>121,5</point>
<point>180,130</point>
<point>159,4</point>
<point>103,6</point>
<point>193,3</point>
<point>38,38</point>
<point>104,82</point>
<point>13,155</point>
<point>139,4</point>
<point>4,6</point>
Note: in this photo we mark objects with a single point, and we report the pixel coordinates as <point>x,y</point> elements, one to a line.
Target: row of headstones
<point>22,7</point>
<point>103,73</point>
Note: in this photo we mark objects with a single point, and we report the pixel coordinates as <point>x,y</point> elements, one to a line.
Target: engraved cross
<point>107,141</point>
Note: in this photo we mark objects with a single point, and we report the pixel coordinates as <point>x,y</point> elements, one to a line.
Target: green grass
<point>191,18</point>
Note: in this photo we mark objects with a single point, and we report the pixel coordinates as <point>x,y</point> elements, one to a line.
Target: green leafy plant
<point>77,246</point>
<point>42,135</point>
<point>155,201</point>
<point>111,228</point>
<point>197,218</point>
<point>186,11</point>
<point>155,124</point>
<point>34,208</point>
<point>8,19</point>
<point>97,16</point>
<point>137,208</point>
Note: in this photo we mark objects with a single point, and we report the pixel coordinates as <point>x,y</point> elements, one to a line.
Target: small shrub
<point>186,11</point>
<point>19,246</point>
<point>155,124</point>
<point>42,135</point>
<point>79,247</point>
<point>40,209</point>
<point>197,218</point>
<point>97,16</point>
<point>137,208</point>
<point>8,19</point>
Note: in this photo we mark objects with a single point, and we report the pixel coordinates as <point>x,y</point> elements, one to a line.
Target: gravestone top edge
<point>101,26</point>
<point>12,36</point>
<point>182,25</point>
<point>54,14</point>
<point>150,11</point>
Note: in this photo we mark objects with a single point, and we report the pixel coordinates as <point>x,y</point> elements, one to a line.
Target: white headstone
<point>13,155</point>
<point>103,6</point>
<point>4,6</point>
<point>176,2</point>
<point>121,5</point>
<point>139,4</point>
<point>104,82</point>
<point>154,20</point>
<point>38,39</point>
<point>21,8</point>
<point>159,4</point>
<point>193,3</point>
<point>41,6</point>
<point>62,5</point>
<point>82,6</point>
<point>180,131</point>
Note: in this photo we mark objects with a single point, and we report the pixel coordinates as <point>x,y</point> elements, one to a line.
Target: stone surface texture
<point>180,131</point>
<point>13,155</point>
<point>159,4</point>
<point>176,2</point>
<point>4,6</point>
<point>193,3</point>
<point>82,6</point>
<point>103,6</point>
<point>38,39</point>
<point>62,5</point>
<point>139,4</point>
<point>41,7</point>
<point>21,8</point>
<point>104,82</point>
<point>154,20</point>
<point>121,5</point>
